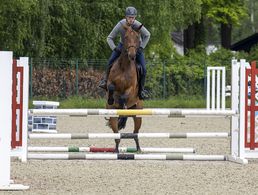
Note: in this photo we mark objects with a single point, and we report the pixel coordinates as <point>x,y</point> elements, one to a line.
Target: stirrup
<point>103,84</point>
<point>144,94</point>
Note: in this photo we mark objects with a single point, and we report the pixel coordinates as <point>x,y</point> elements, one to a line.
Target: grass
<point>177,102</point>
<point>173,102</point>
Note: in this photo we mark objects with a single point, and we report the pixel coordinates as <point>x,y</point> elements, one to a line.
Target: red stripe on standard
<point>252,117</point>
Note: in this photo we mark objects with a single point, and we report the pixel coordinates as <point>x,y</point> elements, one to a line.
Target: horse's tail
<point>122,122</point>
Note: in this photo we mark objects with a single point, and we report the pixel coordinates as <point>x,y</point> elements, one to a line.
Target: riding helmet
<point>131,11</point>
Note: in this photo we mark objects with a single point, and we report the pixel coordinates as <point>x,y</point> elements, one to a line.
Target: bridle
<point>130,47</point>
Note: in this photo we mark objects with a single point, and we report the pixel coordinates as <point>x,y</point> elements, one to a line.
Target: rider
<point>130,15</point>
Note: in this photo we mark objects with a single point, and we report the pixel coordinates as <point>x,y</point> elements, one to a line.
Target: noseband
<point>130,47</point>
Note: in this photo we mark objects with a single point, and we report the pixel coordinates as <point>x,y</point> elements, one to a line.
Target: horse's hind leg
<point>137,126</point>
<point>114,125</point>
<point>111,89</point>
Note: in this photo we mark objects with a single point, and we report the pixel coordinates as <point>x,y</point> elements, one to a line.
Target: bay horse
<point>122,85</point>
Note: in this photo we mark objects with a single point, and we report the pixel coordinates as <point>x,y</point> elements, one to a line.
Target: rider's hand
<point>118,50</point>
<point>140,50</point>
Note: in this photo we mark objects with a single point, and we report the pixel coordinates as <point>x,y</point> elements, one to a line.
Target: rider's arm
<point>145,34</point>
<point>112,36</point>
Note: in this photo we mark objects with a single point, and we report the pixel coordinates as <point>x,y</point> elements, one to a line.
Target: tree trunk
<point>194,35</point>
<point>252,9</point>
<point>225,34</point>
<point>189,35</point>
<point>199,38</point>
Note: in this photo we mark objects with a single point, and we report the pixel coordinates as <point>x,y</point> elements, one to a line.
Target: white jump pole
<point>121,149</point>
<point>128,135</point>
<point>79,156</point>
<point>6,120</point>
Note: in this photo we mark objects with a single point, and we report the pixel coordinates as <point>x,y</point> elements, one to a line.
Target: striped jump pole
<point>128,135</point>
<point>121,149</point>
<point>80,156</point>
<point>119,112</point>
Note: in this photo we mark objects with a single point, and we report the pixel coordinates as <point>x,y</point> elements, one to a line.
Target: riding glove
<point>118,50</point>
<point>140,50</point>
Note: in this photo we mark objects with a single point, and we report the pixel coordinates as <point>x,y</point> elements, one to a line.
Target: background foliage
<point>78,28</point>
<point>51,32</point>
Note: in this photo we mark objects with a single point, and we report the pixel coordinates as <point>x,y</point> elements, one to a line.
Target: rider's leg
<point>115,54</point>
<point>140,59</point>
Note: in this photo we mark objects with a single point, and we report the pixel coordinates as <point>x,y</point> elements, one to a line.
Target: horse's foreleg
<point>111,89</point>
<point>114,125</point>
<point>137,126</point>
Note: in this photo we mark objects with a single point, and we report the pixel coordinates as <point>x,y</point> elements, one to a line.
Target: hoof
<point>138,150</point>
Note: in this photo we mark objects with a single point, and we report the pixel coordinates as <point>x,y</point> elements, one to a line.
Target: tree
<point>78,29</point>
<point>227,13</point>
<point>15,25</point>
<point>163,17</point>
<point>249,25</point>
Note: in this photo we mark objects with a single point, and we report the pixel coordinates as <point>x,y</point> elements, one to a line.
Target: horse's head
<point>131,42</point>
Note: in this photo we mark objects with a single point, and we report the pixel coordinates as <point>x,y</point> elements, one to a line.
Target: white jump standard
<point>238,149</point>
<point>6,73</point>
<point>14,105</point>
<point>216,98</point>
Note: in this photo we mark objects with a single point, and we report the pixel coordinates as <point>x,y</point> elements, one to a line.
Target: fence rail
<point>69,77</point>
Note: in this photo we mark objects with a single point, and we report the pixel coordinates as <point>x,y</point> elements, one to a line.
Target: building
<point>245,44</point>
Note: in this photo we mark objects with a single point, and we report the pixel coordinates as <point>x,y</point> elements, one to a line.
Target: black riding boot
<point>143,94</point>
<point>103,81</point>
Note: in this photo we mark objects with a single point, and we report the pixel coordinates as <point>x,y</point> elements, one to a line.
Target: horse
<point>122,85</point>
